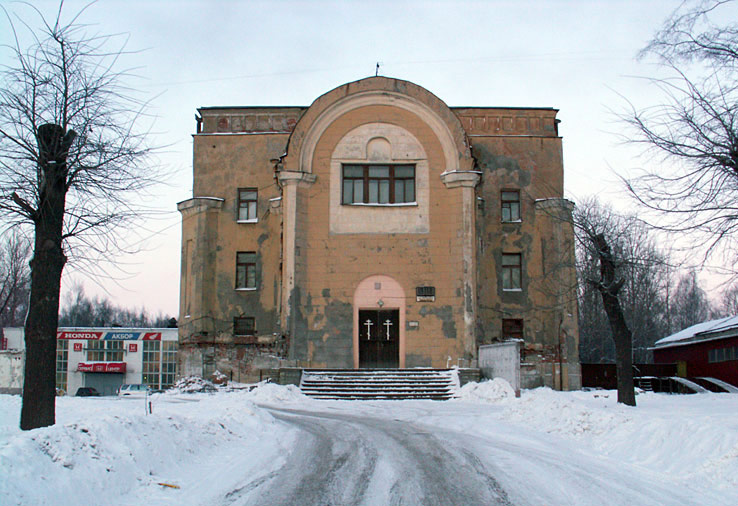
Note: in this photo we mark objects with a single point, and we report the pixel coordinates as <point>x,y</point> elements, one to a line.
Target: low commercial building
<point>708,349</point>
<point>105,358</point>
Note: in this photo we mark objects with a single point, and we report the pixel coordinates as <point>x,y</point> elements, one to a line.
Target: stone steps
<point>373,384</point>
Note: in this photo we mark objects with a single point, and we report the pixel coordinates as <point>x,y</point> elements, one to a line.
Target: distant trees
<point>70,164</point>
<point>15,279</point>
<point>83,311</point>
<point>643,296</point>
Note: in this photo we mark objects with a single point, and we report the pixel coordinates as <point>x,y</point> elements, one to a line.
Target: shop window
<point>245,271</point>
<point>247,205</point>
<point>511,271</point>
<point>244,326</point>
<point>510,200</point>
<point>378,184</point>
<point>151,363</point>
<point>62,363</point>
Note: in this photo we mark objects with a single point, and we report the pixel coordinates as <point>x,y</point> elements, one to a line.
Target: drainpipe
<point>561,359</point>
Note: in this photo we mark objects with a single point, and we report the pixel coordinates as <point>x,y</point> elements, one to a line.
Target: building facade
<point>105,358</point>
<point>377,227</point>
<point>708,349</point>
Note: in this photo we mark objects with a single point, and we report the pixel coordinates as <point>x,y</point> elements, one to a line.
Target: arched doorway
<point>379,323</point>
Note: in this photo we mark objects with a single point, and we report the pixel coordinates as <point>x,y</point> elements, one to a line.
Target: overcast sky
<point>575,56</point>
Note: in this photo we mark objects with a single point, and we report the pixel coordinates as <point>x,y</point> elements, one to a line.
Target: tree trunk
<point>39,387</point>
<point>609,288</point>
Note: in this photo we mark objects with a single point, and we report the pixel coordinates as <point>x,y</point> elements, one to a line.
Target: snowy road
<point>345,459</point>
<point>349,458</point>
<point>274,446</point>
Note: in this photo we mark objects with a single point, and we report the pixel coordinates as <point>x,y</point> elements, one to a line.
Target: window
<point>151,359</point>
<point>246,271</point>
<point>243,326</point>
<point>247,199</point>
<point>378,184</point>
<point>510,205</point>
<point>168,363</point>
<point>723,354</point>
<point>511,271</point>
<point>62,363</point>
<point>512,329</point>
<point>105,351</point>
<point>159,363</point>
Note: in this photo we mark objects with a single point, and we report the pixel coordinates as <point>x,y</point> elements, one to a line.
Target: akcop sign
<point>122,336</point>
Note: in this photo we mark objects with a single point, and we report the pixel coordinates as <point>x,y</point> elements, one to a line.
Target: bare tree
<point>729,304</point>
<point>695,128</point>
<point>14,280</point>
<point>70,160</point>
<point>602,237</point>
<point>690,303</point>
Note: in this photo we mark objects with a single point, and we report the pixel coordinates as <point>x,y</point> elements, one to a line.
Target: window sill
<point>255,220</point>
<point>512,289</point>
<point>401,204</point>
<point>246,289</point>
<point>511,221</point>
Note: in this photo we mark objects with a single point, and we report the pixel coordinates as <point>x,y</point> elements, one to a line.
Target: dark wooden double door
<point>379,338</point>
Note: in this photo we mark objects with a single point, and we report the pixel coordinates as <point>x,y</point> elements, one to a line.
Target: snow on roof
<point>698,332</point>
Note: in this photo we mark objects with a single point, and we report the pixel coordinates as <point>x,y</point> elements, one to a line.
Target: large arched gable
<point>378,91</point>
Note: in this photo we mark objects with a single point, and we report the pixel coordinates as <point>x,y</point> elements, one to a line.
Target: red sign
<point>117,367</point>
<point>78,334</point>
<point>133,347</point>
<point>152,336</point>
<point>77,346</point>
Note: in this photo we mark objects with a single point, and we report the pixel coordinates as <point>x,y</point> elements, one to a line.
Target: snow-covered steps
<point>372,384</point>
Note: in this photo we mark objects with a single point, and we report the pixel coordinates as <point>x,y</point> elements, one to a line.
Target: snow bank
<point>690,437</point>
<point>270,393</point>
<point>494,391</point>
<point>104,449</point>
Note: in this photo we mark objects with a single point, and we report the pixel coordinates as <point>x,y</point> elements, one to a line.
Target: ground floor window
<point>723,354</point>
<point>62,363</point>
<point>159,364</point>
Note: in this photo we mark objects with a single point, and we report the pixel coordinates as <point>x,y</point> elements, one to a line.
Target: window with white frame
<point>512,267</point>
<point>62,363</point>
<point>510,202</point>
<point>247,205</point>
<point>245,270</point>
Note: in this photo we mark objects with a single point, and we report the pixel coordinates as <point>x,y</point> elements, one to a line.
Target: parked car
<point>133,390</point>
<point>87,392</point>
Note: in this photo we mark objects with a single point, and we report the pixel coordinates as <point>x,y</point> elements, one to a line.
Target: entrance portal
<point>379,338</point>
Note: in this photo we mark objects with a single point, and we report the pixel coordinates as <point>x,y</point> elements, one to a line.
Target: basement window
<point>244,326</point>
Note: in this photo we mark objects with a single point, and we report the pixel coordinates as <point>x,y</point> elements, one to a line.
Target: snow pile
<point>494,391</point>
<point>563,413</point>
<point>192,384</point>
<point>692,437</point>
<point>107,449</point>
<point>266,392</point>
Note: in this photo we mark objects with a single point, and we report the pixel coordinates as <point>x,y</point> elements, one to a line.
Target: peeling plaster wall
<point>544,238</point>
<point>336,247</point>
